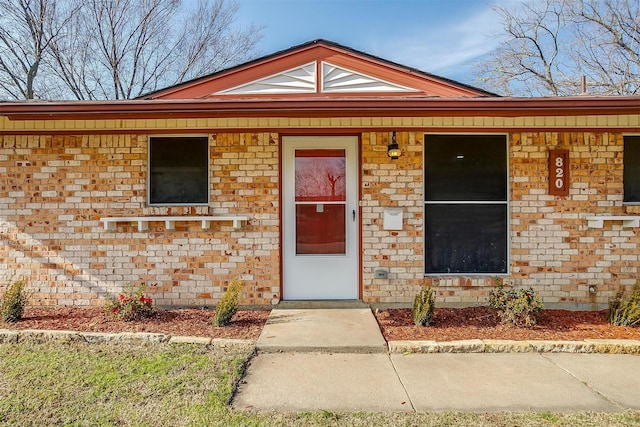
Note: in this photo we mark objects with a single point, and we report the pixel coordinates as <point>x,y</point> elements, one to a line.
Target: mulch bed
<point>179,322</point>
<point>396,324</point>
<point>451,324</point>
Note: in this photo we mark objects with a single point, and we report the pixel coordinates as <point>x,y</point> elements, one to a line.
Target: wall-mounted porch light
<point>393,150</point>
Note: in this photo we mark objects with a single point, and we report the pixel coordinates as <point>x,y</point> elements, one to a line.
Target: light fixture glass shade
<point>393,150</point>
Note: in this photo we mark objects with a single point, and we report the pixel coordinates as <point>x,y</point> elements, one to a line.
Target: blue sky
<point>442,37</point>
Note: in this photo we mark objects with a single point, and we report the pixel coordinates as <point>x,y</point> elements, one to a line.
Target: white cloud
<point>448,46</point>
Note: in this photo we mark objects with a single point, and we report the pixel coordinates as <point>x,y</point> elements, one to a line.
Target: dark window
<point>631,175</point>
<point>466,204</point>
<point>466,168</point>
<point>179,170</point>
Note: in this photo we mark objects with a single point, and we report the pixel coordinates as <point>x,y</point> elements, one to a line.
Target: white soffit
<point>337,79</point>
<point>296,80</point>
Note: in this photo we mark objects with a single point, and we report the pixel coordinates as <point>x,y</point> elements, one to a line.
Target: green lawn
<point>77,384</point>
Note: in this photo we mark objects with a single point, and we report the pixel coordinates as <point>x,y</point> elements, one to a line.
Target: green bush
<point>130,305</point>
<point>13,302</point>
<point>423,306</point>
<point>624,310</point>
<point>516,306</point>
<point>228,305</point>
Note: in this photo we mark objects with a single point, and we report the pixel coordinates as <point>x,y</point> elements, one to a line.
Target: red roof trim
<point>322,107</point>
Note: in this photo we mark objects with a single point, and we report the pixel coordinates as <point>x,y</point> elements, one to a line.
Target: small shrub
<point>516,306</point>
<point>624,310</point>
<point>423,306</point>
<point>228,305</point>
<point>130,305</point>
<point>13,302</point>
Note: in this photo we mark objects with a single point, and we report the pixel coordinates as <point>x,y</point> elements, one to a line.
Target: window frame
<point>624,158</point>
<point>149,171</point>
<point>506,203</point>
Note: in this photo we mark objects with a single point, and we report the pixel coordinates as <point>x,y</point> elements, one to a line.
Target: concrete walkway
<point>334,330</point>
<point>331,360</point>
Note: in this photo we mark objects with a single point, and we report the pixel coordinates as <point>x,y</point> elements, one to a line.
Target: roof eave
<point>506,107</point>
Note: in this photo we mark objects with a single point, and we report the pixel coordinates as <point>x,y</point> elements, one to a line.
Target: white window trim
<point>507,202</point>
<point>624,135</point>
<point>197,135</point>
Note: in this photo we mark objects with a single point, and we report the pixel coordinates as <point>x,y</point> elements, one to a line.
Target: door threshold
<point>310,304</point>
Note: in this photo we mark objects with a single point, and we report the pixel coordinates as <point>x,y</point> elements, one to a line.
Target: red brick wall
<point>54,189</point>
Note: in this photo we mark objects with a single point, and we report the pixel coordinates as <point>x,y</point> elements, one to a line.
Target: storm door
<point>320,218</point>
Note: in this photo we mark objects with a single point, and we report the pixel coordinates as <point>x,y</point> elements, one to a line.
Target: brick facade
<point>55,189</point>
<point>56,186</point>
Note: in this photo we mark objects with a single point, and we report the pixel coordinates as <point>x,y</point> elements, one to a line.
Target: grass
<point>138,385</point>
<point>182,385</point>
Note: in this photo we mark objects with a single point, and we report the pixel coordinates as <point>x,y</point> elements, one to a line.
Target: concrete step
<point>325,304</point>
<point>327,330</point>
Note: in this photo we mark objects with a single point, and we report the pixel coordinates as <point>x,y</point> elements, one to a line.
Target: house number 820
<point>559,172</point>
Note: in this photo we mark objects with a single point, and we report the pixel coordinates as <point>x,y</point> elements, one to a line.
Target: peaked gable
<point>337,79</point>
<point>306,79</point>
<point>318,68</point>
<point>301,79</point>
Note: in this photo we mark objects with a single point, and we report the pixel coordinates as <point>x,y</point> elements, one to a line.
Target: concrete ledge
<point>507,346</point>
<point>603,346</point>
<point>36,336</point>
<point>8,336</point>
<point>413,347</point>
<point>542,346</point>
<point>229,343</point>
<point>99,337</point>
<point>345,349</point>
<point>463,346</point>
<point>615,346</point>
<point>189,340</point>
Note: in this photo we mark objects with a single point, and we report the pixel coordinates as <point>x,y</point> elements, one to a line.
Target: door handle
<point>354,215</point>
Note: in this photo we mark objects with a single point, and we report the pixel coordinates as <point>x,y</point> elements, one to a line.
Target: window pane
<point>631,175</point>
<point>465,168</point>
<point>179,170</point>
<point>320,229</point>
<point>320,175</point>
<point>466,238</point>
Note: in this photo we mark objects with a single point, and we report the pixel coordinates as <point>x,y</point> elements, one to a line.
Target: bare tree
<point>121,49</point>
<point>27,28</point>
<point>117,49</point>
<point>609,35</point>
<point>551,44</point>
<point>209,42</point>
<point>530,61</point>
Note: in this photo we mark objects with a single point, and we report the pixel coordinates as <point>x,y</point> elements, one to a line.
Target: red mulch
<point>185,322</point>
<point>451,324</point>
<point>396,324</point>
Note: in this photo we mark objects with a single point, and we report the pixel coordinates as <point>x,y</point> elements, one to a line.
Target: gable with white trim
<point>338,79</point>
<point>296,80</point>
<point>318,69</point>
<point>306,79</point>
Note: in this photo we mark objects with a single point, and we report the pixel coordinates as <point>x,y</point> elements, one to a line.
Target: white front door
<point>320,217</point>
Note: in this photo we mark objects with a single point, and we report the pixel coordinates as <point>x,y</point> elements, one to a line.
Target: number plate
<point>559,172</point>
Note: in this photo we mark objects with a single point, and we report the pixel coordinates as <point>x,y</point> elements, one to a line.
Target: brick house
<point>279,171</point>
